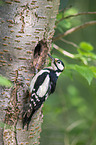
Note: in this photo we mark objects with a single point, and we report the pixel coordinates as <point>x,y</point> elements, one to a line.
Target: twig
<point>77,14</point>
<point>63,51</point>
<point>74,29</point>
<point>69,42</point>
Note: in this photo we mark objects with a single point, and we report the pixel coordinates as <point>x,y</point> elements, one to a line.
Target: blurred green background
<point>70,113</point>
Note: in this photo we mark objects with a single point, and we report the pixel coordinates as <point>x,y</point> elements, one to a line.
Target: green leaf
<point>62,25</point>
<point>87,54</point>
<point>93,70</point>
<point>86,46</point>
<point>5,82</point>
<point>70,11</point>
<point>59,16</point>
<point>85,71</point>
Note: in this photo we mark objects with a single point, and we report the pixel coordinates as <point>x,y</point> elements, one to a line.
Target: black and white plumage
<point>42,85</point>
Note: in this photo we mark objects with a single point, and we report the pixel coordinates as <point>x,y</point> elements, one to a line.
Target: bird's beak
<point>51,57</point>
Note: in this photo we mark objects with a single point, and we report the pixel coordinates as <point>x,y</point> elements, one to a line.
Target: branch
<point>69,42</point>
<point>63,51</point>
<point>74,29</point>
<point>77,14</point>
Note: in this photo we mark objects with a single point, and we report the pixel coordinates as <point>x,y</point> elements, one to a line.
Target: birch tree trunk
<point>27,28</point>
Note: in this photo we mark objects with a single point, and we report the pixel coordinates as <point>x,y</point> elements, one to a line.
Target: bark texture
<point>27,28</point>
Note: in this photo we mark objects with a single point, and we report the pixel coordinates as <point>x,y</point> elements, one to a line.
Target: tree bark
<point>27,28</point>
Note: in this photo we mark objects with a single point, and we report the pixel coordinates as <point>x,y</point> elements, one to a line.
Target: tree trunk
<point>27,28</point>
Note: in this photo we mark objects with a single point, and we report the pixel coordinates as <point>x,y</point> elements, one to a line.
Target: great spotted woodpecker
<point>42,85</point>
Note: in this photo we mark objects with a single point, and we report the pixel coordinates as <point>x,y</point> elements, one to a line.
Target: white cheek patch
<point>60,66</point>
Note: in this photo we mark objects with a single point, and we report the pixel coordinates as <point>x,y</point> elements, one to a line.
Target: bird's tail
<point>26,118</point>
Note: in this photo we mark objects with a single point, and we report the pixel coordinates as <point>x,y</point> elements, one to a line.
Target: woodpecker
<point>41,86</point>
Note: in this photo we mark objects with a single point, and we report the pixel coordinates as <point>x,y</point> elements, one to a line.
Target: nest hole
<point>38,49</point>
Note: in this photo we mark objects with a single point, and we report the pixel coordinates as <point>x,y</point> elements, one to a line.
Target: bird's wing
<point>39,75</point>
<point>41,85</point>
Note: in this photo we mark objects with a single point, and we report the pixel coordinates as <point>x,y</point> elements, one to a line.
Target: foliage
<point>69,114</point>
<point>85,50</point>
<point>86,55</point>
<point>5,82</point>
<point>63,23</point>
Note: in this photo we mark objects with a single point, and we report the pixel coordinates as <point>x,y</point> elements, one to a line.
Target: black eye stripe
<point>59,61</point>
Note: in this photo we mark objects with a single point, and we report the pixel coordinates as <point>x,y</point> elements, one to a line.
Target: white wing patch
<point>44,87</point>
<point>35,78</point>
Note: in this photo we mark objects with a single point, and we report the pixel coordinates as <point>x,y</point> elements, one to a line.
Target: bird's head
<point>56,64</point>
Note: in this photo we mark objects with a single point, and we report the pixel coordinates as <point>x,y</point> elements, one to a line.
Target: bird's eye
<point>59,62</point>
